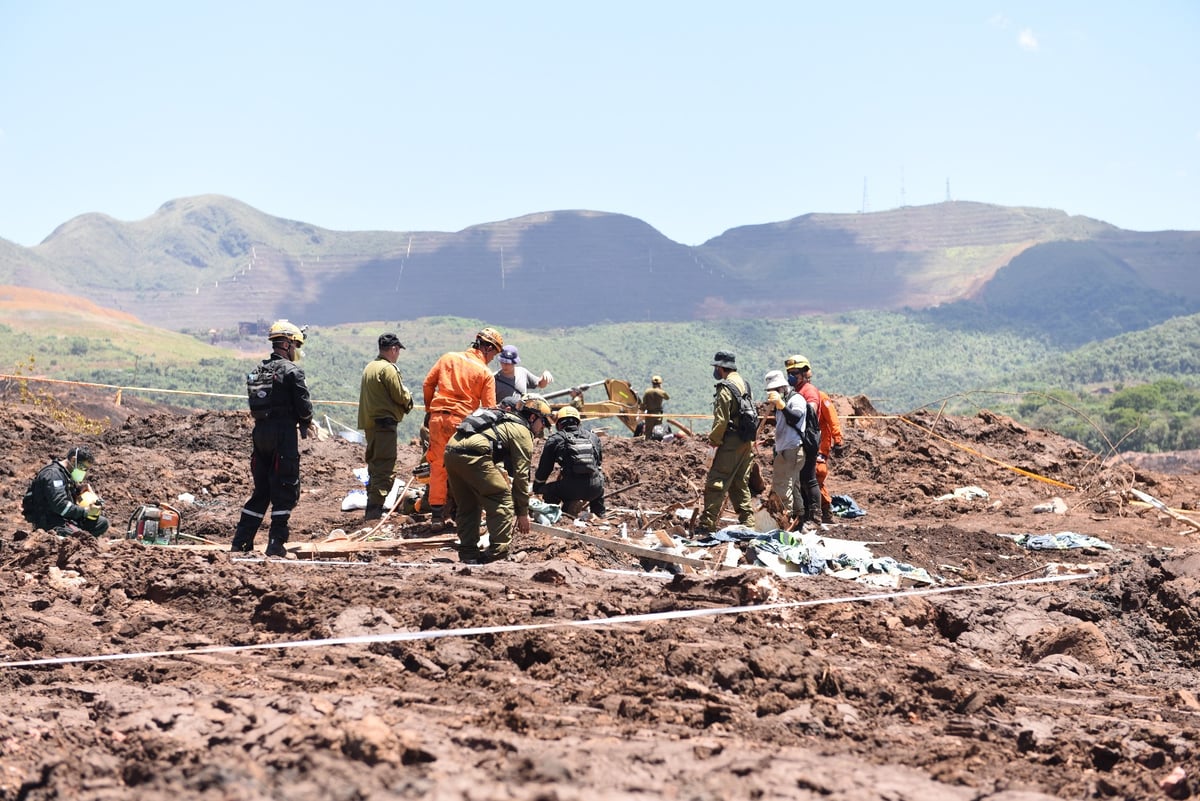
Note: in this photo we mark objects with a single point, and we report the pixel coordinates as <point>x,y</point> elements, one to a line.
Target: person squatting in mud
<point>482,443</point>
<point>58,501</point>
<point>579,454</point>
<point>280,405</point>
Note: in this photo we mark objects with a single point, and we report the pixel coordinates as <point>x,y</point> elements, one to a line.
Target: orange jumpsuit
<point>831,434</point>
<point>458,384</point>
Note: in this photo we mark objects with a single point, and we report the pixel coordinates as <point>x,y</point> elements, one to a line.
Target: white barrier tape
<point>410,636</point>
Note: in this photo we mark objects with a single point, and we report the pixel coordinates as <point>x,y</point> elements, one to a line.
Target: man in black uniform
<point>281,407</point>
<point>53,501</point>
<point>577,450</point>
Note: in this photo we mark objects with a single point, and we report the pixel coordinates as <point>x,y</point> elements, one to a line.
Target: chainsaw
<point>154,524</point>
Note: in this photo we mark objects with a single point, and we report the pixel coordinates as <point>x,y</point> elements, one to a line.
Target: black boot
<point>275,547</point>
<point>242,543</point>
<point>373,512</point>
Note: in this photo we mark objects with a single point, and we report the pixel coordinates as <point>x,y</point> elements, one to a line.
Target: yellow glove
<point>775,399</point>
<point>92,512</point>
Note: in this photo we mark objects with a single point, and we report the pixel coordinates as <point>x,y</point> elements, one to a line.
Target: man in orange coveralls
<point>831,438</point>
<point>458,384</point>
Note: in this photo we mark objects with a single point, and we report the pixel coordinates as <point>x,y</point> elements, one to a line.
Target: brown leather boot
<point>826,512</point>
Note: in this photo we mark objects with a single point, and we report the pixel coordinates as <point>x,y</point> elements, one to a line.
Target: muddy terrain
<point>580,671</point>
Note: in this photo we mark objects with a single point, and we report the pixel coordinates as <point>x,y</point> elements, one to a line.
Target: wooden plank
<point>626,548</point>
<point>1162,507</point>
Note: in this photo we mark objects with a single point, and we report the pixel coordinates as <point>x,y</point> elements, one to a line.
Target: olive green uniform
<point>730,470</point>
<point>383,400</point>
<point>652,405</point>
<point>478,485</point>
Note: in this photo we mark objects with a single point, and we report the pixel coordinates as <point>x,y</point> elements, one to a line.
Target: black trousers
<point>574,489</point>
<point>275,468</point>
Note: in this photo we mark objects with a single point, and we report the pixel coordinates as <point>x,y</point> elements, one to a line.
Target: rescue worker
<point>57,501</point>
<point>833,445</point>
<point>512,378</point>
<point>799,377</point>
<point>457,384</point>
<point>652,406</point>
<point>729,473</point>
<point>281,408</point>
<point>790,415</point>
<point>483,443</point>
<point>383,400</point>
<point>579,454</point>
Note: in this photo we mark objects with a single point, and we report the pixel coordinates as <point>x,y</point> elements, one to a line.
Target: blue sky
<point>693,116</point>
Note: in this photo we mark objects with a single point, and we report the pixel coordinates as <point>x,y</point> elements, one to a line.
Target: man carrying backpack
<point>491,448</point>
<point>791,414</point>
<point>579,454</point>
<point>57,500</point>
<point>799,376</point>
<point>732,435</point>
<point>282,411</point>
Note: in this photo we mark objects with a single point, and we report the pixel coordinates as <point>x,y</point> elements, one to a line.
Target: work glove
<point>92,512</point>
<point>838,450</point>
<point>547,378</point>
<point>775,399</point>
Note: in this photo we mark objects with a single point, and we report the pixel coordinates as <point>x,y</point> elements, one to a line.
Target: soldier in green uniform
<point>383,400</point>
<point>652,405</point>
<point>483,443</point>
<point>729,473</point>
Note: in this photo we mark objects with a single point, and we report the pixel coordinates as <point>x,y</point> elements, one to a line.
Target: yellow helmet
<point>656,379</point>
<point>282,329</point>
<point>567,413</point>
<point>532,404</point>
<point>796,362</point>
<point>490,336</point>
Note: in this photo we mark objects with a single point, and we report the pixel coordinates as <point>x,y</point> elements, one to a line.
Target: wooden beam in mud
<point>627,548</point>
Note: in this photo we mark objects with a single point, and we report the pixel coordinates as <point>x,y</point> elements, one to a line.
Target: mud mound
<point>579,675</point>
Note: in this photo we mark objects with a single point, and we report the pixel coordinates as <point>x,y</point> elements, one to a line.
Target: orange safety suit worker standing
<point>831,440</point>
<point>458,384</point>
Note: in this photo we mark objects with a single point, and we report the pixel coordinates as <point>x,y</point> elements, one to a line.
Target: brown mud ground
<point>1079,689</point>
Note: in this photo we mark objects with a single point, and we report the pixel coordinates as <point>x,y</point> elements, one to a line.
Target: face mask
<point>77,474</point>
<point>792,379</point>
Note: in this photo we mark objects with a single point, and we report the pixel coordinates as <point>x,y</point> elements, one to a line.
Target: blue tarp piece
<point>844,506</point>
<point>1062,541</point>
<point>546,514</point>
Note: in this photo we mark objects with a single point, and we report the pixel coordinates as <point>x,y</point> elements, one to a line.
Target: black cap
<point>724,359</point>
<point>81,455</point>
<point>390,341</point>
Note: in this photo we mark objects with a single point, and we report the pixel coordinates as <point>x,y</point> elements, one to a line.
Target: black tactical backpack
<point>578,456</point>
<point>745,421</point>
<point>260,384</point>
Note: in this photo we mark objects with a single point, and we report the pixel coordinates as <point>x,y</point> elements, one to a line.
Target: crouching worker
<point>482,443</point>
<point>579,454</point>
<point>58,501</point>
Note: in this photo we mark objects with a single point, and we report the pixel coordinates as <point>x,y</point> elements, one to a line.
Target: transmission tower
<point>948,198</point>
<point>865,208</point>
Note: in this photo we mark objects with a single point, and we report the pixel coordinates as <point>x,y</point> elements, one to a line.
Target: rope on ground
<point>434,634</point>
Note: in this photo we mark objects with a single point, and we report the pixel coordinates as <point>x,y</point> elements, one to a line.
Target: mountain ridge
<point>210,262</point>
